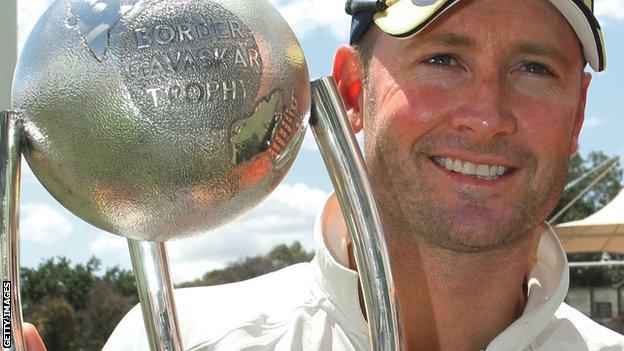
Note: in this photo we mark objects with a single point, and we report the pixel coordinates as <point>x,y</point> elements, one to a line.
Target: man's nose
<point>484,111</point>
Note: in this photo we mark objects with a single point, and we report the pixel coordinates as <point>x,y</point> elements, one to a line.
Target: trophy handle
<point>10,162</point>
<point>151,270</point>
<point>347,171</point>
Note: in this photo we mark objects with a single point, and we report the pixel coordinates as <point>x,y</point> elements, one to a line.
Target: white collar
<point>547,282</point>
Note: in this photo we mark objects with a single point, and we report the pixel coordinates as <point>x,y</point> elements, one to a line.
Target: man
<point>470,111</point>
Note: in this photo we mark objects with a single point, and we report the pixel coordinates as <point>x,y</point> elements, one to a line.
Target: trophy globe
<point>156,119</point>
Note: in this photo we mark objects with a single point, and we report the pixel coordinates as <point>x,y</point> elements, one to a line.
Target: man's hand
<point>32,338</point>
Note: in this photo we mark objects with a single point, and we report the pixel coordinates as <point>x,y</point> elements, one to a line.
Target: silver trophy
<point>159,120</point>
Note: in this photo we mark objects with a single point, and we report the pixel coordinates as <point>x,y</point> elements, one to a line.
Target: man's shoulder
<point>573,327</point>
<point>210,312</point>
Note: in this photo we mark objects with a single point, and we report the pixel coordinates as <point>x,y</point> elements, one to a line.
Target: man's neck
<point>458,301</point>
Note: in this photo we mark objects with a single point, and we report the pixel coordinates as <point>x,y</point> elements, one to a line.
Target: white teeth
<point>469,168</point>
<point>501,170</point>
<point>493,171</point>
<point>481,171</point>
<point>457,166</point>
<point>449,163</point>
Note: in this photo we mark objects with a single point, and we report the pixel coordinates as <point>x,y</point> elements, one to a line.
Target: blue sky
<point>49,230</point>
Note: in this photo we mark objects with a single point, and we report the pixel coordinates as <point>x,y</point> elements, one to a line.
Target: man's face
<point>495,86</point>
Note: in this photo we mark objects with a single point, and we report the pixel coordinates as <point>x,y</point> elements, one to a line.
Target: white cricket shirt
<point>315,306</point>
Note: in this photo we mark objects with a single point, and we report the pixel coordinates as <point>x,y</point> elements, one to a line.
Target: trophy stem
<point>345,166</point>
<point>10,160</point>
<point>151,270</point>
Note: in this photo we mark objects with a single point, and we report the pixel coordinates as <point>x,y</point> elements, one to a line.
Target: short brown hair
<point>365,46</point>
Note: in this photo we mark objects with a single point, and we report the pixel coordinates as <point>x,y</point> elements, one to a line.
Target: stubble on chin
<point>410,210</point>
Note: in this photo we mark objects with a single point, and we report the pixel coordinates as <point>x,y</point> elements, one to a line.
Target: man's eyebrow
<point>530,48</point>
<point>450,39</point>
<point>545,50</point>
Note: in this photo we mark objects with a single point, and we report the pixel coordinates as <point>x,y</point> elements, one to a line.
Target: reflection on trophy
<point>159,120</point>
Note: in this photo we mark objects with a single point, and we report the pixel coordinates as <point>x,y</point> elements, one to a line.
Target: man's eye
<point>441,60</point>
<point>536,68</point>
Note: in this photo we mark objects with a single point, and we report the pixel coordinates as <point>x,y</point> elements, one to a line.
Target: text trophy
<point>163,119</point>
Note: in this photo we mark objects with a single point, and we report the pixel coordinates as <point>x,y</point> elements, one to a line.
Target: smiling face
<point>470,124</point>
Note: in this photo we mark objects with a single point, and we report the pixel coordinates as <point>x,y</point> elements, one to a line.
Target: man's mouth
<point>465,168</point>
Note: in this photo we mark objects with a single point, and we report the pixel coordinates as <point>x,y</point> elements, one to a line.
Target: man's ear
<point>349,76</point>
<point>580,114</point>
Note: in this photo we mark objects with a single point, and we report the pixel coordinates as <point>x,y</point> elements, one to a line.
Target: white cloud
<point>286,216</point>
<point>41,223</point>
<point>29,12</point>
<point>593,121</point>
<point>612,9</point>
<point>307,17</point>
<point>108,244</point>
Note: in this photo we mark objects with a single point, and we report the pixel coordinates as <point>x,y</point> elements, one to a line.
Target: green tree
<point>105,308</point>
<point>56,277</point>
<point>74,306</point>
<point>55,319</point>
<point>121,281</point>
<point>598,196</point>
